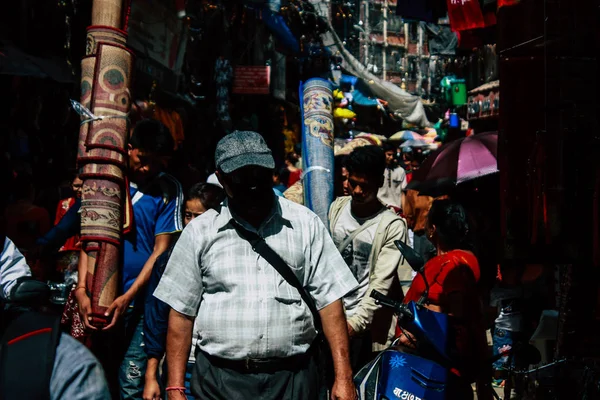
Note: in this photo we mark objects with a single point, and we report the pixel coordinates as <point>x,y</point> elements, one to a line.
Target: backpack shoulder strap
<point>27,353</point>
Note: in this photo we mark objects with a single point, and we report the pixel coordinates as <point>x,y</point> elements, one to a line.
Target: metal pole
<point>385,43</point>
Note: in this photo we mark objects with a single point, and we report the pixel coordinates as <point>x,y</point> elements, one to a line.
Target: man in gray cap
<point>256,332</point>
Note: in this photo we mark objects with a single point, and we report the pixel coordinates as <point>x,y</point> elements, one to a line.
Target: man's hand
<point>117,309</point>
<point>151,389</point>
<point>343,389</point>
<point>85,308</point>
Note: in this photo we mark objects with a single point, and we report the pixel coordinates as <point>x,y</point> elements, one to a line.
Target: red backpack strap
<point>27,355</point>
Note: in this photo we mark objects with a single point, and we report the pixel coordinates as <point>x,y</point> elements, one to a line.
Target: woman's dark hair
<point>368,161</point>
<point>452,227</point>
<point>208,194</point>
<point>153,137</point>
<point>387,146</point>
<point>339,162</point>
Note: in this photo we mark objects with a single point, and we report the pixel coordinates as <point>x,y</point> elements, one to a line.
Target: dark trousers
<point>210,382</point>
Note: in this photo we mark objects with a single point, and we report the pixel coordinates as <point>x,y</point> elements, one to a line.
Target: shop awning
<point>486,87</point>
<point>14,61</point>
<point>402,103</point>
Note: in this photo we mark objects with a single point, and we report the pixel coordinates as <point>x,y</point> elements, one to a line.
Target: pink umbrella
<point>457,162</point>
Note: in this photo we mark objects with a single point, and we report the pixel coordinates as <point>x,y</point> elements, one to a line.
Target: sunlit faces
<point>362,189</point>
<point>144,165</point>
<point>193,208</point>
<point>77,186</point>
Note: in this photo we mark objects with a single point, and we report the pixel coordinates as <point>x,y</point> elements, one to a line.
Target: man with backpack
<point>364,231</point>
<point>36,359</point>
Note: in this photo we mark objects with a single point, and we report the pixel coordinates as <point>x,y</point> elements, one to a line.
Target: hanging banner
<point>465,15</point>
<point>251,80</point>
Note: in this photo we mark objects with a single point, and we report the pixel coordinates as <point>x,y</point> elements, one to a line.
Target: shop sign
<point>484,105</point>
<point>251,80</point>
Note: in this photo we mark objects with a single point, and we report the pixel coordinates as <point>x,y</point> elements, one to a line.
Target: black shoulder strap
<point>261,247</point>
<point>27,354</point>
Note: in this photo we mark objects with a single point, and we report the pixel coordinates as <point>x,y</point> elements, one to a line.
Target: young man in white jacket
<point>364,231</point>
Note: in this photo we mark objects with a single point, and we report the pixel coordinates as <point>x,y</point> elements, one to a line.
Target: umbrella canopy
<point>406,135</point>
<point>415,143</point>
<point>457,162</point>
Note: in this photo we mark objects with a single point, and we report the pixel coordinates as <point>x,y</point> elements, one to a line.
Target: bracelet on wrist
<point>179,388</point>
<point>80,287</point>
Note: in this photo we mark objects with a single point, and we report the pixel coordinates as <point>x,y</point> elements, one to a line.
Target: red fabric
<point>465,15</point>
<point>63,206</point>
<point>456,273</point>
<point>489,18</point>
<point>71,319</point>
<point>437,272</point>
<point>502,3</point>
<point>294,177</point>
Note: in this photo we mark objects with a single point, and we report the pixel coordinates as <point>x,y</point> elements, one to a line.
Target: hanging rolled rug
<point>102,153</point>
<point>317,146</point>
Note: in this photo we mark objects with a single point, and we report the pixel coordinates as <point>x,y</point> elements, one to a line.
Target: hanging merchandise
<point>223,76</point>
<point>105,211</point>
<point>441,39</point>
<point>458,91</point>
<point>465,15</point>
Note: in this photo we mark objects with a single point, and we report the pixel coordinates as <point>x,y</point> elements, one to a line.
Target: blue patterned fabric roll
<point>317,146</point>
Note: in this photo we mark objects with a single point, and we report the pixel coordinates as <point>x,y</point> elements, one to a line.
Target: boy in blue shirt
<point>156,198</point>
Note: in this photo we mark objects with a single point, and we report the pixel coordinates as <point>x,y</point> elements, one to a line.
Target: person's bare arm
<point>179,342</point>
<point>161,244</point>
<point>118,306</point>
<point>84,302</point>
<point>336,333</point>
<point>151,386</point>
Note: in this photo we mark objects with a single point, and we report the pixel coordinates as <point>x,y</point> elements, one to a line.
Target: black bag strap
<point>27,353</point>
<point>261,247</point>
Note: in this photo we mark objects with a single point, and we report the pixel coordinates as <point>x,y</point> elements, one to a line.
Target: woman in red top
<point>452,277</point>
<point>68,254</point>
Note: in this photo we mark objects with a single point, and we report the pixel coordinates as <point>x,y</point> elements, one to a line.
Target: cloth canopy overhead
<point>362,95</point>
<point>14,61</point>
<point>407,106</point>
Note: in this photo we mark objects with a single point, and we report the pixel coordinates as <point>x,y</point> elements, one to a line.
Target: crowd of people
<point>200,288</point>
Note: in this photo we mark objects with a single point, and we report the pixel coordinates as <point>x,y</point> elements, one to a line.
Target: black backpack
<point>27,353</point>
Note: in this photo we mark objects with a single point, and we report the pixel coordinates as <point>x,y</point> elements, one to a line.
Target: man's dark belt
<point>264,365</point>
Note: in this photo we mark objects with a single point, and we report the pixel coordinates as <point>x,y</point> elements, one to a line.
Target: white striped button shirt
<point>244,308</point>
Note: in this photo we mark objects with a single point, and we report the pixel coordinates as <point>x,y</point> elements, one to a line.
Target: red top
<point>455,271</point>
<point>452,277</point>
<point>294,177</point>
<point>63,206</point>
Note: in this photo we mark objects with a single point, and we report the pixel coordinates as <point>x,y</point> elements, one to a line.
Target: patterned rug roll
<point>102,157</point>
<point>317,146</point>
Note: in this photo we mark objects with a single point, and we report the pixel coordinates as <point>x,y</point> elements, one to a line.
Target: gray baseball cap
<point>242,148</point>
